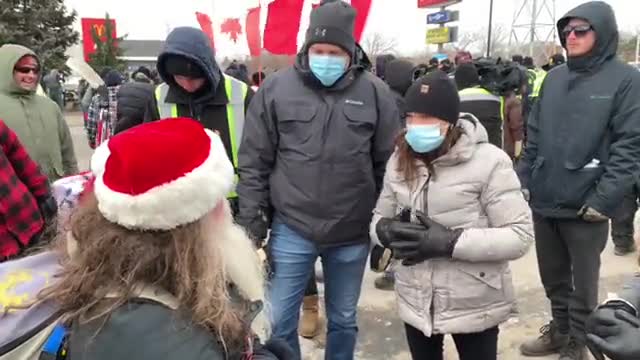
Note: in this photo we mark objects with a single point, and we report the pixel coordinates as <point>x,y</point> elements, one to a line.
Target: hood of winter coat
<point>603,20</point>
<point>193,44</point>
<point>399,75</point>
<point>9,55</point>
<point>473,134</point>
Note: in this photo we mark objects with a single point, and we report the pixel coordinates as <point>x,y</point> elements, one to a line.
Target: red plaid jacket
<point>22,188</point>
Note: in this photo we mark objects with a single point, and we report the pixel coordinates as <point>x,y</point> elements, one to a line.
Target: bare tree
<point>476,41</point>
<point>377,44</point>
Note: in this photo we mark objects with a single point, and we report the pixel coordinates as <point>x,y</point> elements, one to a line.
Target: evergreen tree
<point>44,26</point>
<point>108,51</point>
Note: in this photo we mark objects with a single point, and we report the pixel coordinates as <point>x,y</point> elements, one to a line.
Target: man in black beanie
<point>313,155</point>
<point>195,87</point>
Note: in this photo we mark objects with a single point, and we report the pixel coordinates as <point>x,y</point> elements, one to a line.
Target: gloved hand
<point>256,226</point>
<point>590,214</point>
<point>48,208</point>
<point>274,349</point>
<point>387,227</point>
<point>431,240</point>
<point>615,333</point>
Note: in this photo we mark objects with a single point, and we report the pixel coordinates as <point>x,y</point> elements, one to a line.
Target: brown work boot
<point>549,342</point>
<point>573,351</point>
<point>309,326</point>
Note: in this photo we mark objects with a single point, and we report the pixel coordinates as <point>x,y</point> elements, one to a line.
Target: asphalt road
<point>381,334</point>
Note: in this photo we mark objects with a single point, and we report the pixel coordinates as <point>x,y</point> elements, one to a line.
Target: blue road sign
<point>440,17</point>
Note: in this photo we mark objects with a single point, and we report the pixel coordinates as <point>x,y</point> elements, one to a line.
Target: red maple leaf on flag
<point>232,27</point>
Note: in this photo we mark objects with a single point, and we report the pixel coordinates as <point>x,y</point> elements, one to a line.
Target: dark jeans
<point>569,263</point>
<point>622,224</point>
<point>475,346</point>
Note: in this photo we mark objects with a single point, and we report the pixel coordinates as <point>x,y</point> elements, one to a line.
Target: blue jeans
<point>293,258</point>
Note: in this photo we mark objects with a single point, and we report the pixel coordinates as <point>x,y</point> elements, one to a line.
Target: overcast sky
<point>399,19</point>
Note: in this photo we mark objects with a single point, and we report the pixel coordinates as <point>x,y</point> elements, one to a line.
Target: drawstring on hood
<point>601,17</point>
<point>10,54</point>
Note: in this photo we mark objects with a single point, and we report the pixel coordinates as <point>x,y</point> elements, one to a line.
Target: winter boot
<point>624,250</point>
<point>573,351</point>
<point>549,342</point>
<point>309,326</point>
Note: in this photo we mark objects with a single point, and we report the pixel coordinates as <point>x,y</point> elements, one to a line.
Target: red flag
<point>207,26</point>
<point>252,29</point>
<point>283,24</point>
<point>362,7</point>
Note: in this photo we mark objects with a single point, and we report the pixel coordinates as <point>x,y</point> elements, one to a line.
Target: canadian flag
<point>277,26</point>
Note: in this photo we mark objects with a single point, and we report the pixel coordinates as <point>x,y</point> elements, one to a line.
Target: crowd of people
<point>211,195</point>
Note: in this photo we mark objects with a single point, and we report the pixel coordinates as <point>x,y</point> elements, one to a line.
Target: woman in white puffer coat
<point>468,220</point>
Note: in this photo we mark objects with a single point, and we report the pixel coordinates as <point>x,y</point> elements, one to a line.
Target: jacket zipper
<point>425,196</point>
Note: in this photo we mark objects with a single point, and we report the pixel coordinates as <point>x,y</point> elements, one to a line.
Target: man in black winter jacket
<point>581,159</point>
<point>314,150</point>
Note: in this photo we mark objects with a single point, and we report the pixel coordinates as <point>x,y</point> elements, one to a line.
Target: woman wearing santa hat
<point>156,220</point>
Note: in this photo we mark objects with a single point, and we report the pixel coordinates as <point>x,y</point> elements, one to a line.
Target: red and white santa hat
<point>160,175</point>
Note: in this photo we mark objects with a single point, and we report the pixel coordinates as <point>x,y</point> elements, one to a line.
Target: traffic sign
<point>426,4</point>
<point>442,35</point>
<point>443,17</point>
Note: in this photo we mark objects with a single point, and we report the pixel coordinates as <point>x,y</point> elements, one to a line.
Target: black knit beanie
<point>332,23</point>
<point>180,65</point>
<point>435,95</point>
<point>467,76</point>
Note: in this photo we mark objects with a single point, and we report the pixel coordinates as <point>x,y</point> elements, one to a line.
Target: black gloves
<point>48,208</point>
<point>423,242</point>
<point>381,256</point>
<point>256,226</point>
<point>386,228</point>
<point>274,349</point>
<point>613,330</point>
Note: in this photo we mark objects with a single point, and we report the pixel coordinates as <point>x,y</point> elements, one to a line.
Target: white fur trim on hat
<point>179,202</point>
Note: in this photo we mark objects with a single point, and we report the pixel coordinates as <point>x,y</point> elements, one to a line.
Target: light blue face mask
<point>424,138</point>
<point>327,68</point>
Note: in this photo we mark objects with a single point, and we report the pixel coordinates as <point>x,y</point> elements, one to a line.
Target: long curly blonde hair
<point>195,263</point>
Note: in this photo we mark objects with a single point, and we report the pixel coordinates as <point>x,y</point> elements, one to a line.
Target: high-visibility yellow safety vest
<point>236,94</point>
<point>537,84</point>
<point>481,94</point>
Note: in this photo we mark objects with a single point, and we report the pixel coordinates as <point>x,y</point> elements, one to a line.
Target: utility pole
<point>441,46</point>
<point>490,29</point>
<point>534,21</point>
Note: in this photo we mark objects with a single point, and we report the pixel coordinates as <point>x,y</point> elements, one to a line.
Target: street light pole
<point>490,28</point>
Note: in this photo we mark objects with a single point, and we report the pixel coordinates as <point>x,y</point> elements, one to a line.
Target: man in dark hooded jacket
<point>195,87</point>
<point>314,151</point>
<point>581,159</point>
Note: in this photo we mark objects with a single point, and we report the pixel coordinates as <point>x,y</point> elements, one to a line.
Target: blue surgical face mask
<point>424,138</point>
<point>327,68</point>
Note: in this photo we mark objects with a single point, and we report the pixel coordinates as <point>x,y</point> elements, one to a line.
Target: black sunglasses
<point>580,30</point>
<point>26,70</point>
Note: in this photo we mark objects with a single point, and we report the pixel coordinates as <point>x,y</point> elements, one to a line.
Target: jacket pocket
<point>408,292</point>
<point>360,128</point>
<point>579,184</point>
<point>475,286</point>
<point>295,126</point>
